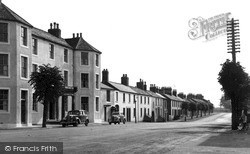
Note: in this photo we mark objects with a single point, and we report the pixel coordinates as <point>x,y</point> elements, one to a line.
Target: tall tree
<point>192,108</point>
<point>48,85</point>
<point>235,84</point>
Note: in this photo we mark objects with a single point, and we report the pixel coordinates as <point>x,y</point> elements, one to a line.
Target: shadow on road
<point>229,139</point>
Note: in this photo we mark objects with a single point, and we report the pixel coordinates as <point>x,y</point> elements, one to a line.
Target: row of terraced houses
<point>24,47</point>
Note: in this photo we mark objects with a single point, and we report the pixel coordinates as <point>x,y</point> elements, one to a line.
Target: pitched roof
<point>79,43</point>
<point>9,15</point>
<point>172,97</point>
<point>104,86</point>
<point>153,94</point>
<point>121,87</point>
<point>139,91</point>
<point>47,36</point>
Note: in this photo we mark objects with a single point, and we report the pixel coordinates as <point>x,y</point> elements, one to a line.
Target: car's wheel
<point>63,125</point>
<point>115,123</point>
<point>124,121</point>
<point>119,122</point>
<point>86,123</point>
<point>110,123</point>
<point>75,124</point>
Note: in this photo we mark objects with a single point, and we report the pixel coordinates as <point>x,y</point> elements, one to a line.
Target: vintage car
<point>117,117</point>
<point>75,117</point>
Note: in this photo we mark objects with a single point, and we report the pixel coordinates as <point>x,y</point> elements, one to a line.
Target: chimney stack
<point>175,92</point>
<point>125,80</point>
<point>55,31</point>
<point>140,84</point>
<point>105,76</point>
<point>145,86</point>
<point>153,88</point>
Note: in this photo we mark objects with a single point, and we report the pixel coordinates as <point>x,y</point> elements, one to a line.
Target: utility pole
<point>233,38</point>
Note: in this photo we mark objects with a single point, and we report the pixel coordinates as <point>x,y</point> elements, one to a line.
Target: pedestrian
<point>243,117</point>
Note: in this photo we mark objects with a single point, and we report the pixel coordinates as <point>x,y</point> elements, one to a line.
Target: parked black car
<point>117,117</point>
<point>74,118</point>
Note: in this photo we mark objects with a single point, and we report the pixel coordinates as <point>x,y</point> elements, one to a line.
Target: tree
<point>184,107</point>
<point>235,85</point>
<point>192,108</point>
<point>48,85</point>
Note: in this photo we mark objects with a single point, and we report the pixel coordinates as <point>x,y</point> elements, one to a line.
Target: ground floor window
<point>35,103</point>
<point>141,112</point>
<point>85,103</point>
<point>97,103</point>
<point>4,99</point>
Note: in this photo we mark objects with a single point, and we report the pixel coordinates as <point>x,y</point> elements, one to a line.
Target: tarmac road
<point>172,137</point>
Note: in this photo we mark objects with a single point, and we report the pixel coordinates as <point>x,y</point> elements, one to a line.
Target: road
<point>143,138</point>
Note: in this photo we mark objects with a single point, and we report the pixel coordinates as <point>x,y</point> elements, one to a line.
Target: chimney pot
<point>54,25</point>
<point>73,35</point>
<point>77,35</point>
<point>57,26</point>
<point>80,34</point>
<point>51,25</point>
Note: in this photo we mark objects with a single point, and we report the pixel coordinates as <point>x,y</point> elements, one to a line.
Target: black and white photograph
<point>124,77</point>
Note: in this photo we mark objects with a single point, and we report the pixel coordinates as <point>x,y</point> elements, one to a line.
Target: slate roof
<point>153,94</point>
<point>160,95</point>
<point>172,97</point>
<point>139,91</point>
<point>47,36</point>
<point>9,15</point>
<point>121,87</point>
<point>104,86</point>
<point>79,43</point>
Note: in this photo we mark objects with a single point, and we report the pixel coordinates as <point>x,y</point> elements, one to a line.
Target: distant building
<point>22,49</point>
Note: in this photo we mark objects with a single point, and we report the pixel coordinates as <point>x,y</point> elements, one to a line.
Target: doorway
<point>24,101</point>
<point>128,114</point>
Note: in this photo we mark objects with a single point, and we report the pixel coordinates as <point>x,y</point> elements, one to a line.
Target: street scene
<point>134,76</point>
<point>210,134</point>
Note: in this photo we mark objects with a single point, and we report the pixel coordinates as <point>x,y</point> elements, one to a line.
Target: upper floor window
<point>24,36</point>
<point>108,95</point>
<point>66,59</point>
<point>129,99</point>
<point>116,96</point>
<point>24,67</point>
<point>4,64</point>
<point>97,60</point>
<point>84,80</point>
<point>97,81</point>
<point>84,58</point>
<point>124,98</point>
<point>51,51</point>
<point>3,32</point>
<point>34,46</point>
<point>66,78</point>
<point>4,99</point>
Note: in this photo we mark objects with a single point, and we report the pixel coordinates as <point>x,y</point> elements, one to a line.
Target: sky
<point>147,39</point>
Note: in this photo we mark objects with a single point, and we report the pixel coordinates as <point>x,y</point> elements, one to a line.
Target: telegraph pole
<point>233,38</point>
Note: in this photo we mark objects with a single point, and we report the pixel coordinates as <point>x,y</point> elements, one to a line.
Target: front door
<point>24,101</point>
<point>105,113</point>
<point>128,114</point>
